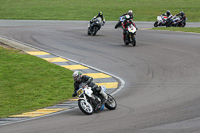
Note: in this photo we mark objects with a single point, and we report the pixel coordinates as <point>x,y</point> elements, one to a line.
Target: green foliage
<point>144,10</point>
<point>28,82</point>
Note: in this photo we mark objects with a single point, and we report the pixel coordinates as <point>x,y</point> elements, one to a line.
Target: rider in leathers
<point>128,21</point>
<point>169,16</point>
<point>100,14</point>
<point>182,15</point>
<point>130,13</point>
<point>79,78</point>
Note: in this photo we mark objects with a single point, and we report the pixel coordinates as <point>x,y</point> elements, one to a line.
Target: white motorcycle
<point>89,102</point>
<point>161,21</point>
<point>130,34</point>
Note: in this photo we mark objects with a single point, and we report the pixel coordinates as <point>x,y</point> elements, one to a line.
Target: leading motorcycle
<point>130,34</point>
<point>89,102</point>
<point>176,21</point>
<point>94,26</point>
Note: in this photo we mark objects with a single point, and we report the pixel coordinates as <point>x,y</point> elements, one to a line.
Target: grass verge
<point>144,10</point>
<point>28,83</point>
<point>185,29</point>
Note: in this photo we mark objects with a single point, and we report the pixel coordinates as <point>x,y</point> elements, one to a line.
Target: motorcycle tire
<point>183,24</point>
<point>95,29</point>
<point>86,109</point>
<point>156,24</point>
<point>110,104</point>
<point>133,41</point>
<point>88,32</point>
<point>125,41</point>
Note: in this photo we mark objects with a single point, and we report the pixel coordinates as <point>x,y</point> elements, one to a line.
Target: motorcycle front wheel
<point>156,24</point>
<point>95,29</point>
<point>86,108</point>
<point>133,41</point>
<point>88,32</point>
<point>110,104</point>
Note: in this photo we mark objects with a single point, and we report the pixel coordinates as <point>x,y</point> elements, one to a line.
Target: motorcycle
<point>89,102</point>
<point>161,21</point>
<point>95,26</point>
<point>130,34</point>
<point>119,24</point>
<point>176,22</point>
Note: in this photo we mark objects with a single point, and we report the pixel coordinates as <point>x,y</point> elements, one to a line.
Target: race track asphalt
<point>161,74</point>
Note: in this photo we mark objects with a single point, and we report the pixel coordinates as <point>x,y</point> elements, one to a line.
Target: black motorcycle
<point>129,36</point>
<point>94,26</point>
<point>176,22</point>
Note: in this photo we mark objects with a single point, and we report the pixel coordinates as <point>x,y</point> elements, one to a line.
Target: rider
<point>79,78</point>
<point>130,13</point>
<point>126,23</point>
<point>100,14</point>
<point>168,14</point>
<point>182,15</point>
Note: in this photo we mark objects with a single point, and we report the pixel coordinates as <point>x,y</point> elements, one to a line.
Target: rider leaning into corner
<point>130,13</point>
<point>79,78</point>
<point>100,14</point>
<point>167,14</point>
<point>128,21</point>
<point>182,15</point>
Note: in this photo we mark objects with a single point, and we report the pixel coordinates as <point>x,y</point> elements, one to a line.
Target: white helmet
<point>130,11</point>
<point>77,75</point>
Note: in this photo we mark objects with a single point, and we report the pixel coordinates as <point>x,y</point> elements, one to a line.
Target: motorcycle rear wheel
<point>110,104</point>
<point>87,109</point>
<point>125,41</point>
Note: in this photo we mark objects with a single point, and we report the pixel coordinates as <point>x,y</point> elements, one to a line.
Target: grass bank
<point>28,82</point>
<point>185,29</point>
<point>144,10</point>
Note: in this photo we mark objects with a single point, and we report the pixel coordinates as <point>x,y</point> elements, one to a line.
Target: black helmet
<point>181,12</point>
<point>100,13</point>
<point>168,12</point>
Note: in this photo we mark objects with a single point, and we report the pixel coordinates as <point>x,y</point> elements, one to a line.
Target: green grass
<point>185,29</point>
<point>144,10</point>
<point>28,83</point>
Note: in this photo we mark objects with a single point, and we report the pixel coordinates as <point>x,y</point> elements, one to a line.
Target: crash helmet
<point>100,13</point>
<point>127,17</point>
<point>130,11</point>
<point>181,13</point>
<point>168,12</point>
<point>77,76</point>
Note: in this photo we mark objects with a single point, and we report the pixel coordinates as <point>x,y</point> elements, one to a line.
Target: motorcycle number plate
<point>80,91</point>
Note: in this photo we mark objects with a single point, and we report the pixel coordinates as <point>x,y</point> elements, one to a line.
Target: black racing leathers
<point>182,16</point>
<point>88,80</point>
